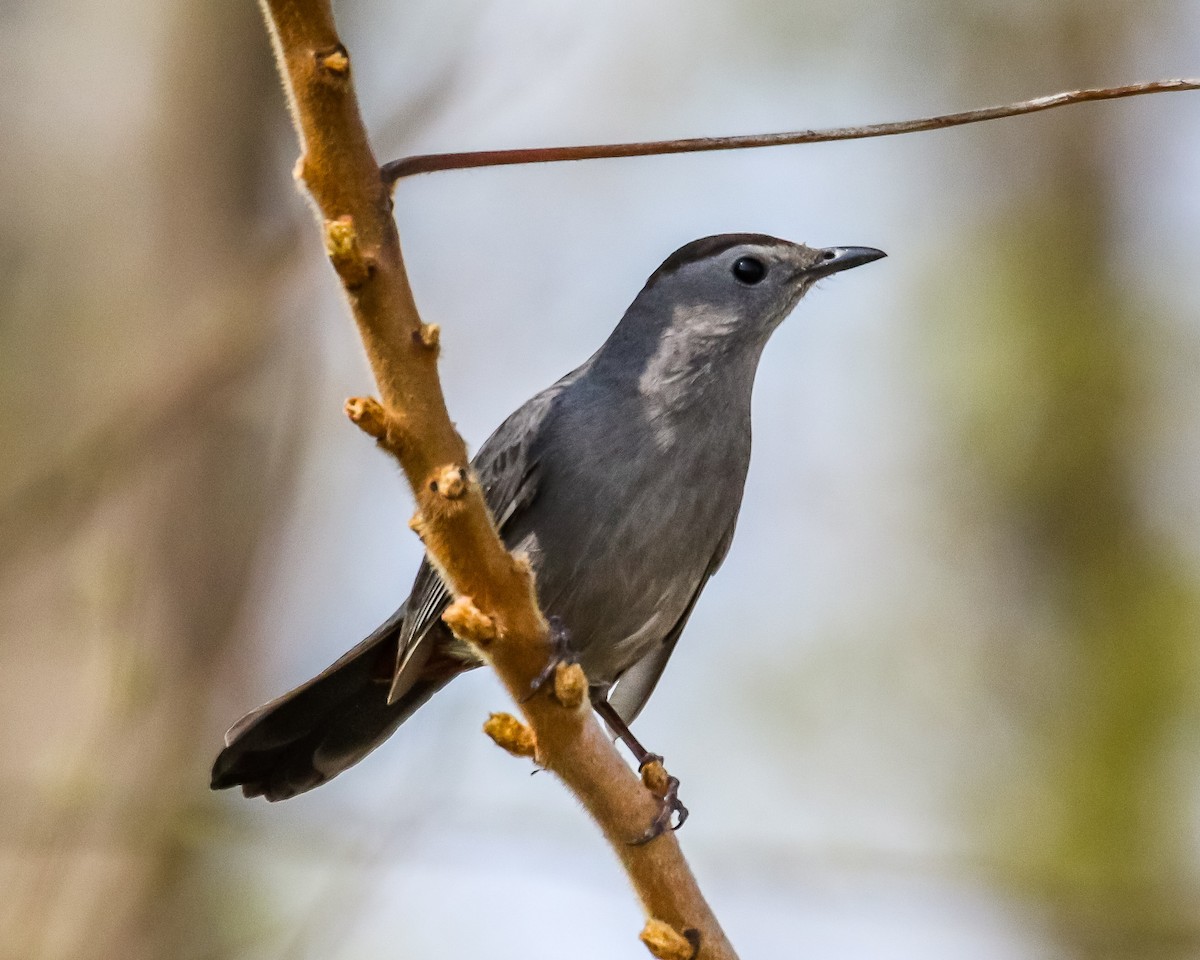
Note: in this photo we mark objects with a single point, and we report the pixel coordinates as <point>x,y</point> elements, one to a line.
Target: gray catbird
<point>622,484</point>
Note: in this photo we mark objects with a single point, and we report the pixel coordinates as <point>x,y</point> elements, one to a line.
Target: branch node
<point>510,734</point>
<point>417,525</point>
<point>368,415</point>
<point>467,622</point>
<point>334,64</point>
<point>450,482</point>
<point>666,943</point>
<point>570,685</point>
<point>375,420</point>
<point>341,244</point>
<point>428,336</point>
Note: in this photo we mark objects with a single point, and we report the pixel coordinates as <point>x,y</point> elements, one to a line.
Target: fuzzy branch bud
<point>467,622</point>
<point>666,943</point>
<point>510,734</point>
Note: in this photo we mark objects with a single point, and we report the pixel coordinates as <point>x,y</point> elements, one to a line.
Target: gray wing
<point>638,682</point>
<point>507,466</point>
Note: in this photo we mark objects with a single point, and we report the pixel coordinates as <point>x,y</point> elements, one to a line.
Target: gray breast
<point>629,513</point>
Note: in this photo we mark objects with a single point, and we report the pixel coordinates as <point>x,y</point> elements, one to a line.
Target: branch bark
<point>432,162</point>
<point>496,605</point>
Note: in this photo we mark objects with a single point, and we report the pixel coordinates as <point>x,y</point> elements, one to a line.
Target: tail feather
<point>313,733</point>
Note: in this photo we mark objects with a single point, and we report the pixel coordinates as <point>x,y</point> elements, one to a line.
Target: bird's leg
<point>560,652</point>
<point>667,789</point>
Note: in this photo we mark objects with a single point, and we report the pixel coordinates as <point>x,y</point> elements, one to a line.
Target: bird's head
<point>745,281</point>
<point>721,296</point>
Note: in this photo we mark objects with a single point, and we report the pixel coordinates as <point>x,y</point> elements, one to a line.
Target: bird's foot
<point>666,788</point>
<point>560,653</point>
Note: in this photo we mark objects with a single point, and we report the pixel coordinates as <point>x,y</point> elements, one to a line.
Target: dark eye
<point>749,270</point>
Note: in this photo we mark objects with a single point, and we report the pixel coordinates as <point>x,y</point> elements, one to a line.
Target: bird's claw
<point>670,806</point>
<point>560,652</point>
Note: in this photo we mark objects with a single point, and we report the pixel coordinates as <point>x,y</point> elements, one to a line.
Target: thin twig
<point>432,162</point>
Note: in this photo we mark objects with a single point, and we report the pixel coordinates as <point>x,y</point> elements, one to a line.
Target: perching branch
<point>496,607</point>
<point>429,163</point>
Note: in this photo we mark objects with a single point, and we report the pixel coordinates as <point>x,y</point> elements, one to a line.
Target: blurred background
<point>941,701</point>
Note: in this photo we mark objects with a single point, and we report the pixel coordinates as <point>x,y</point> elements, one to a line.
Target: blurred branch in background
<point>49,507</point>
<point>164,482</point>
<point>1053,385</point>
<point>140,489</point>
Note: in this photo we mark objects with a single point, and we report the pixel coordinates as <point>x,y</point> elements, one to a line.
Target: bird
<point>621,483</point>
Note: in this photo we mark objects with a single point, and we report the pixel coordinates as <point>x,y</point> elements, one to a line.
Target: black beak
<point>837,259</point>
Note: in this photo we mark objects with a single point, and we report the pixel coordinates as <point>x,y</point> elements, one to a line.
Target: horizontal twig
<point>433,162</point>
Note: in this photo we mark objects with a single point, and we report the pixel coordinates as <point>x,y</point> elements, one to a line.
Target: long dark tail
<point>316,731</point>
